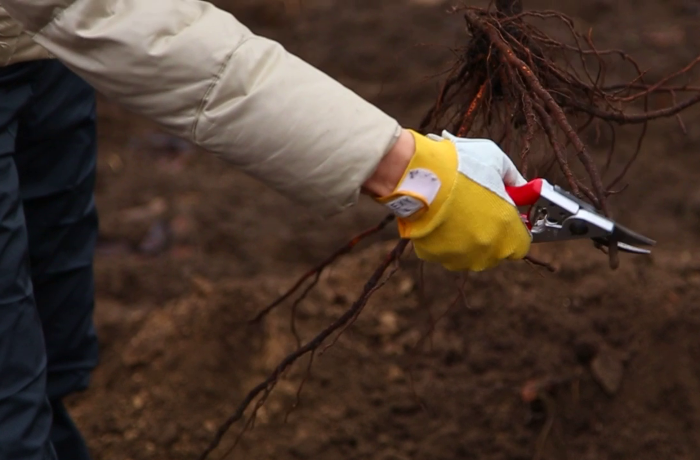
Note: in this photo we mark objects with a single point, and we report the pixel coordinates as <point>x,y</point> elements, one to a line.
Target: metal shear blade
<point>626,239</point>
<point>557,215</point>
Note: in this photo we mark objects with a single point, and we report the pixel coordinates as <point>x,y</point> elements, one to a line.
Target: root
<point>515,79</point>
<point>512,83</point>
<point>265,387</point>
<point>318,270</point>
<point>540,263</point>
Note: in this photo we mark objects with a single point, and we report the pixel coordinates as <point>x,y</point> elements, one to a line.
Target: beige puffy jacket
<point>204,76</point>
<point>15,44</point>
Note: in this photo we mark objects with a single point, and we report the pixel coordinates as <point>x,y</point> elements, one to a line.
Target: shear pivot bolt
<point>578,228</point>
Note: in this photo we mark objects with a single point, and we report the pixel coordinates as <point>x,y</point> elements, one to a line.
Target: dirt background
<point>190,250</point>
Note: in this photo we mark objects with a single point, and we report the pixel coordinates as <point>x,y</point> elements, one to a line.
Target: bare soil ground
<point>192,249</point>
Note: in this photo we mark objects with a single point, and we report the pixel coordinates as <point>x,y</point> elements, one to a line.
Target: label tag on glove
<point>416,192</point>
<point>405,205</point>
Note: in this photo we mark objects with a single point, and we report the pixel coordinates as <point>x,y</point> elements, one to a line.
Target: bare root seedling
<point>515,84</point>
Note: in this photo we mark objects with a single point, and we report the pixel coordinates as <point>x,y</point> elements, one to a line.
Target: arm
<point>204,76</point>
<point>392,167</point>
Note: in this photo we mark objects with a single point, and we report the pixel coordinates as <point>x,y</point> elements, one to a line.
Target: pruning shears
<point>556,215</point>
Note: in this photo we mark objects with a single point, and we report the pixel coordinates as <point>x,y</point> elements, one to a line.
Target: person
<point>205,77</point>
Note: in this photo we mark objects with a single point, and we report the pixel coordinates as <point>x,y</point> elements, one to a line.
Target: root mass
<point>517,85</point>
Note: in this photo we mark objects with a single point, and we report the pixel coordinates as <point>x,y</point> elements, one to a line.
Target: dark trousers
<point>48,229</point>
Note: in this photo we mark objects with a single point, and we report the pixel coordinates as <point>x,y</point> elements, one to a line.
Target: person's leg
<point>65,436</point>
<point>25,413</point>
<point>56,159</point>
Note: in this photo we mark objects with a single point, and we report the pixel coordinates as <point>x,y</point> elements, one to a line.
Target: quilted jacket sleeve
<point>204,76</point>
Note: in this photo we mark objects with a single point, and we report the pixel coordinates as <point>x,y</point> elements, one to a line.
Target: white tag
<point>404,206</point>
<point>422,182</point>
<point>418,181</point>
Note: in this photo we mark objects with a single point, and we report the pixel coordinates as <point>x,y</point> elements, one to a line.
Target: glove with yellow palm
<point>452,203</point>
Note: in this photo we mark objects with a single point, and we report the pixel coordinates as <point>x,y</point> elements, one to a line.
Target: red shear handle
<point>526,195</point>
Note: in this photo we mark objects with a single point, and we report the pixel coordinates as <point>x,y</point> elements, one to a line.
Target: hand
<point>452,203</point>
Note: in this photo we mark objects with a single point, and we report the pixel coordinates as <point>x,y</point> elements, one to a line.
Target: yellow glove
<point>452,203</point>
